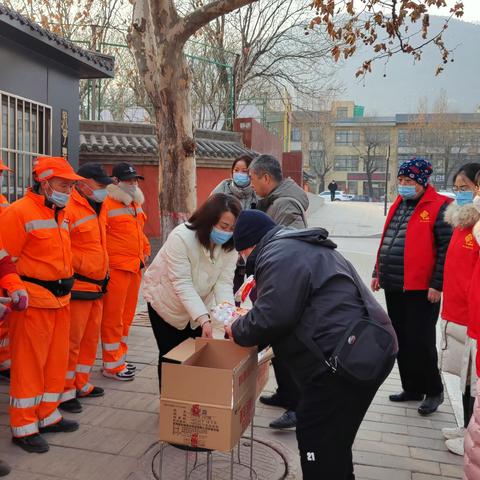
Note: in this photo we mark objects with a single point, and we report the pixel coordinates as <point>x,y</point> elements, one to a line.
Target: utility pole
<point>386,182</point>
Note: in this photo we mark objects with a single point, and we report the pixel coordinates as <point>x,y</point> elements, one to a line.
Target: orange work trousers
<point>119,305</point>
<point>39,351</point>
<point>4,345</point>
<point>85,320</point>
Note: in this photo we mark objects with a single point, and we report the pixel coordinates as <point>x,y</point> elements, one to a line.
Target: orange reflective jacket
<point>127,245</point>
<point>89,244</point>
<point>3,202</point>
<point>37,238</point>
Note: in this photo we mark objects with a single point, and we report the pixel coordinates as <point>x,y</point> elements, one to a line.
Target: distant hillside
<point>405,82</point>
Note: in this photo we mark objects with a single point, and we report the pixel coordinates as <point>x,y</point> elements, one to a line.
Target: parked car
<point>340,196</point>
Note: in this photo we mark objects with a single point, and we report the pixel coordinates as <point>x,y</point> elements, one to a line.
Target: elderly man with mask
<point>301,280</point>
<point>409,268</point>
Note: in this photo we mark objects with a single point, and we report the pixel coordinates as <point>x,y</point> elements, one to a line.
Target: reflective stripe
<point>51,397</point>
<point>83,220</point>
<point>4,342</point>
<point>68,395</point>
<point>86,388</point>
<point>29,429</point>
<point>4,205</point>
<point>124,339</point>
<point>40,224</point>
<point>25,402</point>
<point>64,225</point>
<point>110,347</point>
<point>14,259</point>
<point>139,210</point>
<point>83,368</point>
<point>5,365</point>
<point>51,419</point>
<point>111,365</point>
<point>3,254</point>
<point>121,211</point>
<point>46,173</point>
<point>70,375</point>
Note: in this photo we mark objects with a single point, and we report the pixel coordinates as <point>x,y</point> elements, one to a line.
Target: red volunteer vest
<point>473,330</point>
<point>420,253</point>
<point>462,256</point>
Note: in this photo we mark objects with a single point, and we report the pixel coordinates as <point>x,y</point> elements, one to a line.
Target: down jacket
<point>184,282</point>
<point>472,444</point>
<point>301,281</point>
<point>392,263</point>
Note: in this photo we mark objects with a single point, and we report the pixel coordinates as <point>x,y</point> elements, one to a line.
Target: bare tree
<point>320,148</point>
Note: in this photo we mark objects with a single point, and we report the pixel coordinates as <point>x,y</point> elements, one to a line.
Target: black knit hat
<point>251,227</point>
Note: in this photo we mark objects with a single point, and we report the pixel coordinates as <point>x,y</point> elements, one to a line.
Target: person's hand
<point>434,296</point>
<point>4,311</point>
<point>375,285</point>
<point>207,330</point>
<point>19,300</point>
<point>228,331</point>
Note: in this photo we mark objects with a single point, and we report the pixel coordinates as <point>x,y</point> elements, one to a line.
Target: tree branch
<point>204,15</point>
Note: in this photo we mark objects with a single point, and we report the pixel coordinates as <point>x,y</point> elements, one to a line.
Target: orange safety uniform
<point>36,233</point>
<point>90,265</point>
<point>4,340</point>
<point>127,247</point>
<point>9,282</point>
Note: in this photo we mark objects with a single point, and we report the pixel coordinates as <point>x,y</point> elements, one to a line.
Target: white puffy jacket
<point>183,282</point>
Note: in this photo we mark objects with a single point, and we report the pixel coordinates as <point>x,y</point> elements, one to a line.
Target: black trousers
<point>329,415</point>
<point>168,337</point>
<point>468,404</point>
<point>414,319</point>
<point>332,195</point>
<point>287,387</point>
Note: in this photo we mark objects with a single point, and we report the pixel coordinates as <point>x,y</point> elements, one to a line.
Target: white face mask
<point>476,202</point>
<point>128,188</point>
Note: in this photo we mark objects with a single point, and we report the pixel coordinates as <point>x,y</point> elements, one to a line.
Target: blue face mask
<point>407,191</point>
<point>464,198</point>
<point>219,237</point>
<point>241,179</point>
<point>99,195</point>
<point>60,199</point>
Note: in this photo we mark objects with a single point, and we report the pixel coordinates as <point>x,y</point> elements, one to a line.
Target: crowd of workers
<point>71,258</point>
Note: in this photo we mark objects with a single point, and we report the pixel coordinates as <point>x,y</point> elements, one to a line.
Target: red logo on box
<point>194,440</point>
<point>196,410</point>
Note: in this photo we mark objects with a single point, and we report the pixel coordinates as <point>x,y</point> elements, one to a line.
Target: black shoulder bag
<point>367,350</point>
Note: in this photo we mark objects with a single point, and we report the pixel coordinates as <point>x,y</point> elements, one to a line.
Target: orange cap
<point>3,167</point>
<point>49,167</point>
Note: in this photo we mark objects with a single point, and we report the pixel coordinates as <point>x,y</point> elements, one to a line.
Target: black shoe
<point>131,367</point>
<point>32,443</point>
<point>404,396</point>
<point>273,401</point>
<point>4,468</point>
<point>5,374</point>
<point>95,392</point>
<point>72,406</point>
<point>63,425</point>
<point>287,420</point>
<point>430,404</point>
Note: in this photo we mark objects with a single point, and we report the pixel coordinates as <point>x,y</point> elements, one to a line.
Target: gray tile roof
<point>88,64</point>
<point>140,140</point>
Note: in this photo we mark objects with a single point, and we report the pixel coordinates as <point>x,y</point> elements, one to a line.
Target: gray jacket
<point>286,205</point>
<point>246,196</point>
<point>305,289</point>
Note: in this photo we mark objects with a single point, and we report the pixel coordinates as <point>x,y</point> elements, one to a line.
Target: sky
<point>471,7</point>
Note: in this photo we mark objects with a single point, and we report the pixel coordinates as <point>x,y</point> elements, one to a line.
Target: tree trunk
<point>166,76</point>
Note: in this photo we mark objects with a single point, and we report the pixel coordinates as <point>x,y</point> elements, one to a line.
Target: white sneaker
<point>123,376</point>
<point>457,432</point>
<point>455,445</point>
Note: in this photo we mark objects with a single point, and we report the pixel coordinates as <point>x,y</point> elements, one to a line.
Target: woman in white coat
<point>192,272</point>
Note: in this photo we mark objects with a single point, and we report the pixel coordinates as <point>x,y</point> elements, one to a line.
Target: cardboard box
<point>208,399</point>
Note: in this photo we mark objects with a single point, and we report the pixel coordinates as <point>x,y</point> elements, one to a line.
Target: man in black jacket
<point>410,270</point>
<point>333,187</point>
<point>301,281</point>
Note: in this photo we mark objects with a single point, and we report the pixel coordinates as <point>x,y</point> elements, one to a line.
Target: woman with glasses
<point>458,350</point>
